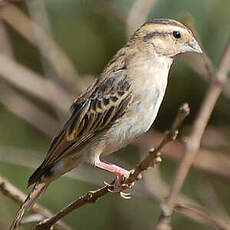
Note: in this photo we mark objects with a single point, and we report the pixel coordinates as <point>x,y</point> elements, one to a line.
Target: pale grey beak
<point>193,46</point>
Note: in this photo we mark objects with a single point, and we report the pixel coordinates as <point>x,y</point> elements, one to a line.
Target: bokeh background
<point>89,32</point>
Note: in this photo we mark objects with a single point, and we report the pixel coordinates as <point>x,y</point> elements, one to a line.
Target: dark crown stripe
<point>165,21</point>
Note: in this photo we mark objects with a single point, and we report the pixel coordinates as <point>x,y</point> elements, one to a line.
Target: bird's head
<point>167,37</point>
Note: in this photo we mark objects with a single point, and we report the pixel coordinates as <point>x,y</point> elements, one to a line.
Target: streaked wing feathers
<point>92,112</point>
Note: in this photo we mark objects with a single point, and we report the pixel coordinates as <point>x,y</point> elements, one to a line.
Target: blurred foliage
<point>90,35</point>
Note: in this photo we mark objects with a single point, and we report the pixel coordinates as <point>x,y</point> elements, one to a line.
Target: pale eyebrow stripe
<point>152,34</point>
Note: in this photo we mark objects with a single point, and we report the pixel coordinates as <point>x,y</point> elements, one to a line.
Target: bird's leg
<point>121,174</point>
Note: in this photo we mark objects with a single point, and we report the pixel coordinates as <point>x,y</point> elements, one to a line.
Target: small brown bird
<point>119,106</point>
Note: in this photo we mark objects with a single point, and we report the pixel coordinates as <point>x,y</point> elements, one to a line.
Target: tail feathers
<point>36,176</point>
<point>37,191</point>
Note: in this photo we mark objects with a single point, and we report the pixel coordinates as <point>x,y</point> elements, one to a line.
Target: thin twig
<point>148,161</point>
<point>170,136</point>
<point>212,162</point>
<point>219,77</point>
<point>88,198</point>
<point>12,192</point>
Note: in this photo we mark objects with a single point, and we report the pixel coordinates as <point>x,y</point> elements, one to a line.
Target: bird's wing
<point>96,110</point>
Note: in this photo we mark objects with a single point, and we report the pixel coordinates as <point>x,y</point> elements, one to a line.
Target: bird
<point>120,105</point>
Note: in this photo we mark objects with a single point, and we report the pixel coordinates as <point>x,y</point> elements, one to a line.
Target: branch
<point>212,162</point>
<point>138,14</point>
<point>158,190</point>
<point>34,83</point>
<point>219,77</point>
<point>155,188</point>
<point>152,159</point>
<point>12,192</point>
<point>27,111</point>
<point>203,214</point>
<point>170,136</point>
<point>5,44</point>
<point>24,26</point>
<point>39,15</point>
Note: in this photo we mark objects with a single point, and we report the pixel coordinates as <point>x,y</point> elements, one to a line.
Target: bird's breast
<point>148,90</point>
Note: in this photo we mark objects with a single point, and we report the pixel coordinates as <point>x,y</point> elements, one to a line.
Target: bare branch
<point>138,14</point>
<point>34,84</point>
<point>88,198</point>
<point>184,205</point>
<point>219,77</point>
<point>38,13</point>
<point>23,25</point>
<point>149,160</point>
<point>5,45</point>
<point>155,188</point>
<point>202,213</point>
<point>170,136</point>
<point>18,103</point>
<point>12,192</point>
<point>206,69</point>
<point>26,110</point>
<point>212,162</point>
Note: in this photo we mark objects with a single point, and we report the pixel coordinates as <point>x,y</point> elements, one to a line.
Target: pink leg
<point>120,172</point>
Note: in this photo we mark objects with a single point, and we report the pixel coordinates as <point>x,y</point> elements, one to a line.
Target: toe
<point>124,195</point>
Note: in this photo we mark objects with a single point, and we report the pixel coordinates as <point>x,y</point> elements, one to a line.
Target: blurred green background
<point>90,34</point>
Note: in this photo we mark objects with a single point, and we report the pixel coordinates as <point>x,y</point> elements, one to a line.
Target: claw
<point>119,186</point>
<point>127,186</point>
<point>107,184</point>
<point>124,195</point>
<point>110,190</point>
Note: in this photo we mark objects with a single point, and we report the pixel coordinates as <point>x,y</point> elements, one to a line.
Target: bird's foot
<point>120,186</point>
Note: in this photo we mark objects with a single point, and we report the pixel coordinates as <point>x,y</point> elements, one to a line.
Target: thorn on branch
<point>88,197</point>
<point>157,160</point>
<point>182,113</point>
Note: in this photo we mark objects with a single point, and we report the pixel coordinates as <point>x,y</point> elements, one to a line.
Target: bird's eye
<point>176,34</point>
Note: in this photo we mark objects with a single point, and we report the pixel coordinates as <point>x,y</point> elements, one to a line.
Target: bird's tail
<point>36,192</point>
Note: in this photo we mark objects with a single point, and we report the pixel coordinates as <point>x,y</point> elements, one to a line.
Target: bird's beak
<point>193,46</point>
